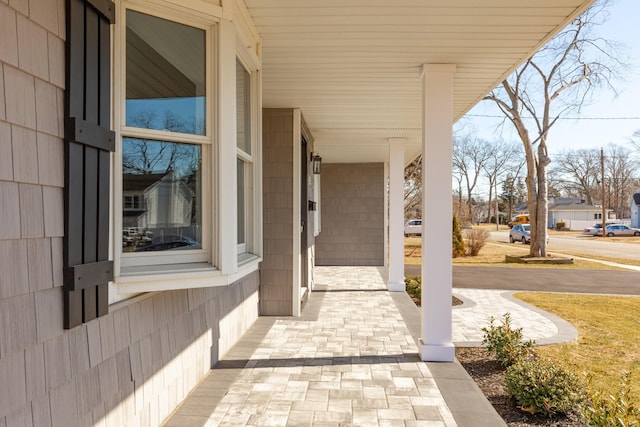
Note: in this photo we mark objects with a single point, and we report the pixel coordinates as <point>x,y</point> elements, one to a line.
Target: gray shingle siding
<point>130,367</point>
<point>352,215</point>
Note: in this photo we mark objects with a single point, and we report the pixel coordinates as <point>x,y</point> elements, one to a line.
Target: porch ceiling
<point>353,66</point>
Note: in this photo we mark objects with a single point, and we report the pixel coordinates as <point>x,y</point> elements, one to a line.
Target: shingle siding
<point>352,215</point>
<point>277,268</point>
<point>130,367</point>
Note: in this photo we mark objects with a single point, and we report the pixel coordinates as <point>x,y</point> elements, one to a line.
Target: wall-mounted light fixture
<point>316,161</point>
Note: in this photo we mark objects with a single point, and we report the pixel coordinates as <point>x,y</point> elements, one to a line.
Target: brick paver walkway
<point>349,360</point>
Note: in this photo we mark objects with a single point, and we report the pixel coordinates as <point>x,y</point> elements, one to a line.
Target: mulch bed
<point>489,376</point>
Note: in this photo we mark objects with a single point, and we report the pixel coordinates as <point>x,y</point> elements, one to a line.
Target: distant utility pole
<point>497,207</point>
<point>604,209</point>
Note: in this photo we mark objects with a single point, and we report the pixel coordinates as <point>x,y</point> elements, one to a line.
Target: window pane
<point>241,204</point>
<point>243,107</point>
<point>165,75</point>
<point>162,195</point>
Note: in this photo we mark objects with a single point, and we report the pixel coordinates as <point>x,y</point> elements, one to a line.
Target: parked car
<point>520,233</point>
<point>620,230</point>
<point>595,228</point>
<point>167,243</point>
<point>413,227</point>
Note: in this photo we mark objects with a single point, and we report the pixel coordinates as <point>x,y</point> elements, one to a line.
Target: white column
<point>396,215</point>
<point>437,141</point>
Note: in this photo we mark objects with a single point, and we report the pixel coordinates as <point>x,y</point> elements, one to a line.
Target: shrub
<point>476,239</point>
<point>560,225</point>
<point>505,342</point>
<point>457,242</point>
<point>614,410</point>
<point>414,287</point>
<point>540,387</point>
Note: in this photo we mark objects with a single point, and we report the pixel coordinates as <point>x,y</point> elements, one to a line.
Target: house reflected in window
<point>161,210</point>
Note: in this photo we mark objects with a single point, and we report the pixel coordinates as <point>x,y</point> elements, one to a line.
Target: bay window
<point>244,141</point>
<point>187,163</point>
<point>166,142</point>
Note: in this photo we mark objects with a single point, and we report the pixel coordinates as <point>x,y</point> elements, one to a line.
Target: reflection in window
<point>241,204</point>
<point>162,195</point>
<point>165,76</point>
<point>244,162</point>
<point>243,108</point>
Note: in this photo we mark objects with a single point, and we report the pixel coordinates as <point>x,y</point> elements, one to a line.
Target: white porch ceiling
<point>353,66</point>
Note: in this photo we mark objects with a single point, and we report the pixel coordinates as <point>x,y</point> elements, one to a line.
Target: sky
<point>610,118</point>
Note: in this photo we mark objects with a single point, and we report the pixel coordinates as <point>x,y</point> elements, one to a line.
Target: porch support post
<point>437,140</point>
<point>396,215</point>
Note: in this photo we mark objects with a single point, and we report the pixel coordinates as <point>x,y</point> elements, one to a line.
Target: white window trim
<point>207,142</point>
<point>184,276</point>
<point>221,268</point>
<point>247,161</point>
<point>253,175</point>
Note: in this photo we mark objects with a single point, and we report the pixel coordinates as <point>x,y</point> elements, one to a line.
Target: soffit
<point>353,66</point>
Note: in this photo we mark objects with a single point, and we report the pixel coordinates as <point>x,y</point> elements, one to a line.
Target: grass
<point>608,342</point>
<point>604,258</point>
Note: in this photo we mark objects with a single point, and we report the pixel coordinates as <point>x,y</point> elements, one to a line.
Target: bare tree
<point>578,172</point>
<point>145,156</point>
<point>620,180</point>
<point>497,165</point>
<point>556,80</point>
<point>554,184</point>
<point>413,189</point>
<point>469,158</point>
<point>513,192</point>
<point>635,140</point>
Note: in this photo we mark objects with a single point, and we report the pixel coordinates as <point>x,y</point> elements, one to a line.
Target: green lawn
<point>608,329</point>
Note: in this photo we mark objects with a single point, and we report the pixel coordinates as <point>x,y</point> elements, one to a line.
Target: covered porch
<point>378,85</point>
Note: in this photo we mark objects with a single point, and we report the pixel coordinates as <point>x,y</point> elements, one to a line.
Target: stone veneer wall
<point>352,200</point>
<point>131,367</point>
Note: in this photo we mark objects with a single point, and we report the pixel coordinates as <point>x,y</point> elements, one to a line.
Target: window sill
<point>181,276</point>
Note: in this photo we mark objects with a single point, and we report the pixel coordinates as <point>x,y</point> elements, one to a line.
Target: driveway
<point>542,279</point>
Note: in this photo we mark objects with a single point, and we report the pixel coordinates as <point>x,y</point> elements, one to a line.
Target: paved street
<point>583,245</point>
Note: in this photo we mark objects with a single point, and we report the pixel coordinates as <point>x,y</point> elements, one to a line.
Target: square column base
<point>396,287</point>
<point>437,353</point>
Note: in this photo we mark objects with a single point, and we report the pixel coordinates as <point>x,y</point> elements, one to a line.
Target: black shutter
<point>89,142</point>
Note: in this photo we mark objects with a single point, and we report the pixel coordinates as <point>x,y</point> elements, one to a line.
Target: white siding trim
<point>227,235</point>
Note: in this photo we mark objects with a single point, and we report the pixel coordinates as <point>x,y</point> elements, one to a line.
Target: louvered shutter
<point>89,142</point>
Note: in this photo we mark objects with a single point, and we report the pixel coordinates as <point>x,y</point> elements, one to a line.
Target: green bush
<point>506,342</point>
<point>457,242</point>
<point>616,410</point>
<point>560,225</point>
<point>540,387</point>
<point>414,287</point>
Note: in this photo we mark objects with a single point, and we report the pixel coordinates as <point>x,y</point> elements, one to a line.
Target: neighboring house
<point>575,213</point>
<point>635,210</point>
<point>133,200</point>
<point>242,98</point>
<point>169,202</point>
